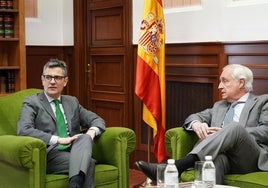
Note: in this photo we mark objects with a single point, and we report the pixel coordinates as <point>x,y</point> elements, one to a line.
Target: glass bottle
<point>171,175</point>
<point>209,172</point>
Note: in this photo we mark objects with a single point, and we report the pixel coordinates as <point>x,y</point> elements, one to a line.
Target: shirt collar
<point>244,98</point>
<point>50,99</point>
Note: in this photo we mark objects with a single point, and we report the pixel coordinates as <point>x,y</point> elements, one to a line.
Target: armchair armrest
<point>24,159</point>
<point>179,142</point>
<point>113,147</point>
<point>20,150</point>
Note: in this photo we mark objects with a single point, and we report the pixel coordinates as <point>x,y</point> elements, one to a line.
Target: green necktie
<point>62,130</point>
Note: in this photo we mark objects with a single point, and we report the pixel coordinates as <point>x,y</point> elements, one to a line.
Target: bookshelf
<point>12,47</point>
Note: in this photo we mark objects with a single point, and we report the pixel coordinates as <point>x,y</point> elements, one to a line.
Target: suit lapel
<point>222,112</point>
<point>245,112</point>
<point>46,105</point>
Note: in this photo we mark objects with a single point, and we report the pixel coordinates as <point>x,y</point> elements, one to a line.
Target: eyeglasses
<point>56,78</point>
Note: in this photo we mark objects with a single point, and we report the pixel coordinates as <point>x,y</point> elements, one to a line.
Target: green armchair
<point>23,159</point>
<point>180,142</point>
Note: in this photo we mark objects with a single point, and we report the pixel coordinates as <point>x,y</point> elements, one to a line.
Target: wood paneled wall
<point>37,56</point>
<point>253,55</point>
<point>194,68</point>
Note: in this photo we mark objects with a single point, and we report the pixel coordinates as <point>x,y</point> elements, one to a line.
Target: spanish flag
<point>150,73</point>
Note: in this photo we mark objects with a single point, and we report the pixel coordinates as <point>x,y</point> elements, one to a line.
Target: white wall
<point>214,20</point>
<point>54,25</point>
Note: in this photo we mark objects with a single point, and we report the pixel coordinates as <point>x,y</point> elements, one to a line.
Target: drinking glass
<point>160,175</point>
<point>198,174</point>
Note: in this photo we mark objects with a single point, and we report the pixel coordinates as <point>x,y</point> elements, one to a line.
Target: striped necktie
<point>229,116</point>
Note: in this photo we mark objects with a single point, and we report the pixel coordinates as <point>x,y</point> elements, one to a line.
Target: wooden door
<point>108,61</point>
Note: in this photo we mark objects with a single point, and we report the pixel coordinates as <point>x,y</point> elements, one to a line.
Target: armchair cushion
<point>250,180</point>
<point>107,172</point>
<point>105,176</point>
<point>56,180</point>
<point>180,142</point>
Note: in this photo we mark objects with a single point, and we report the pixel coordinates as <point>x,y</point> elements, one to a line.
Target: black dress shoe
<point>76,181</point>
<point>149,169</point>
<point>74,185</point>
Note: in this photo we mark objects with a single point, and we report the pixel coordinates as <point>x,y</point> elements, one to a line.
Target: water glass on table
<point>198,183</point>
<point>160,175</point>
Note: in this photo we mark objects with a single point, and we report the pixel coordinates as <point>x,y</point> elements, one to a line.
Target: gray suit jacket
<point>254,117</point>
<point>38,120</point>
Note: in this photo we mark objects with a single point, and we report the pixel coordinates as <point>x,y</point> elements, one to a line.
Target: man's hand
<point>91,133</point>
<point>203,130</point>
<point>68,140</point>
<point>200,129</point>
<point>212,130</point>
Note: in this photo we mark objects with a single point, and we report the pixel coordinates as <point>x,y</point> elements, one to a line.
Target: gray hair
<point>52,63</point>
<point>242,72</point>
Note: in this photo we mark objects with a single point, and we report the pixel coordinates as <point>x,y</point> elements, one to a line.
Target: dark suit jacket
<point>254,117</point>
<point>38,120</point>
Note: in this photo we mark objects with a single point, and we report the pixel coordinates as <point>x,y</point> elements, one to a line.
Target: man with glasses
<point>56,119</point>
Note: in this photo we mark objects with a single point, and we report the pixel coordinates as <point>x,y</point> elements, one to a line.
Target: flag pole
<point>148,143</point>
<point>148,182</point>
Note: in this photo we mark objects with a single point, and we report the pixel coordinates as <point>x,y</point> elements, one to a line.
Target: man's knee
<point>84,138</point>
<point>83,143</point>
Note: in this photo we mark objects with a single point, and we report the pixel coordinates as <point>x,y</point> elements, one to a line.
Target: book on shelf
<point>2,26</point>
<point>7,81</point>
<point>9,25</point>
<point>6,4</point>
<point>3,4</point>
<point>10,82</point>
<point>6,25</point>
<point>9,4</point>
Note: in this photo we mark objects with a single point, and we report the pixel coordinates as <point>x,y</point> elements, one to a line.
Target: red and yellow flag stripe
<point>150,73</point>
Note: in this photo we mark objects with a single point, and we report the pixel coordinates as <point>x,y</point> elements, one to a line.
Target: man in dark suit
<point>70,153</point>
<point>238,144</point>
